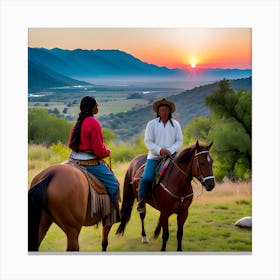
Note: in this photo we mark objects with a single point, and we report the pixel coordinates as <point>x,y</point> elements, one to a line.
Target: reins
<point>181,198</point>
<point>200,177</point>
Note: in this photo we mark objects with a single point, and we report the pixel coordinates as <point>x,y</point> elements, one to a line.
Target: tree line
<point>229,126</point>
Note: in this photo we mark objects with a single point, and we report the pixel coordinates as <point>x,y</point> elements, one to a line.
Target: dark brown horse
<point>61,194</point>
<point>173,194</point>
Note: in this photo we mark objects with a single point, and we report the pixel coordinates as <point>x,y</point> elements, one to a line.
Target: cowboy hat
<point>162,102</point>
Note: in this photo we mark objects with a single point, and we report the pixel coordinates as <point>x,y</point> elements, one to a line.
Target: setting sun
<point>192,61</point>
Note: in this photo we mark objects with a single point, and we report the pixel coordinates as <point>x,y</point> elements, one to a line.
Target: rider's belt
<point>93,161</point>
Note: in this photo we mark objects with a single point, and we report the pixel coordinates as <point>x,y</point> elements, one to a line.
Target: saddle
<point>159,172</point>
<point>94,182</point>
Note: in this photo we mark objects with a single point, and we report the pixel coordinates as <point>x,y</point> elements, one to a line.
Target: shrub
<point>61,150</point>
<point>47,129</point>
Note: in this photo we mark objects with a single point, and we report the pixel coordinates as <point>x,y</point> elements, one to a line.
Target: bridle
<point>201,178</point>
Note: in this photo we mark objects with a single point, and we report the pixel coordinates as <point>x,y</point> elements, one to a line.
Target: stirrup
<point>141,207</point>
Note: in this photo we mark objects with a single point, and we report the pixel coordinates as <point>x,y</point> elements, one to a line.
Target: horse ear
<point>210,145</point>
<point>197,144</point>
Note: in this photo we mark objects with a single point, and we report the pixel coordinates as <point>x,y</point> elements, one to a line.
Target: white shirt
<point>158,136</point>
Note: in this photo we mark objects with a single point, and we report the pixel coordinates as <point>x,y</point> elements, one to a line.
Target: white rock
<point>244,222</point>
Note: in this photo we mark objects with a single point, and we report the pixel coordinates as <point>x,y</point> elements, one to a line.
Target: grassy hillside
<point>209,228</point>
<point>189,104</point>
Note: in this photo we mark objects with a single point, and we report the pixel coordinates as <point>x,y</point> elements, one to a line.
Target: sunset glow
<point>169,47</point>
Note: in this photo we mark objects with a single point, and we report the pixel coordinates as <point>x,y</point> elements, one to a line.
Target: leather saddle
<point>159,172</point>
<point>94,182</point>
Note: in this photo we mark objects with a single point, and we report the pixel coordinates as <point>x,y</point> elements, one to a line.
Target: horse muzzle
<point>208,182</point>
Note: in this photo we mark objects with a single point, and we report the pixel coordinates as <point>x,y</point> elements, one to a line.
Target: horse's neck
<point>182,172</point>
<point>187,167</point>
<point>177,178</point>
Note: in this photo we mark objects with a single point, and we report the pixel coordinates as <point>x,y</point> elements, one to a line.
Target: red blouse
<point>91,138</point>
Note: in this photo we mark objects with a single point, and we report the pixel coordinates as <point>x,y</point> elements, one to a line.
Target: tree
<point>198,129</point>
<point>228,104</point>
<point>232,128</point>
<point>229,126</point>
<point>232,149</point>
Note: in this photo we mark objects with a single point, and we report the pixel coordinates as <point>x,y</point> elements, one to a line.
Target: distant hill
<point>88,65</point>
<point>189,104</point>
<point>94,63</point>
<point>41,77</point>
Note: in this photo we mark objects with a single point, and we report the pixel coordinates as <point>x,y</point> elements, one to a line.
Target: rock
<point>244,222</point>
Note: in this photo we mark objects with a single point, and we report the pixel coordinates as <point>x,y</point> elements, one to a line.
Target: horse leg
<point>165,233</point>
<point>143,233</point>
<point>181,218</point>
<point>105,233</point>
<point>72,239</point>
<point>44,226</point>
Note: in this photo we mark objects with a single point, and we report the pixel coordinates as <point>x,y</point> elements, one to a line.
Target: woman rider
<point>88,148</point>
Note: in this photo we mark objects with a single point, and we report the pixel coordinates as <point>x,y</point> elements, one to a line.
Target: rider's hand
<point>164,152</point>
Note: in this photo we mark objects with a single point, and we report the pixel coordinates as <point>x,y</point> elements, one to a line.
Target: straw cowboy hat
<point>163,101</point>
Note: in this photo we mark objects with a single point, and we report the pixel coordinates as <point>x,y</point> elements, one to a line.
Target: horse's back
<point>136,163</point>
<point>59,170</point>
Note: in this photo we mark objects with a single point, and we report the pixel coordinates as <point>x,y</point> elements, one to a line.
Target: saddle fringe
<point>102,205</point>
<point>100,201</point>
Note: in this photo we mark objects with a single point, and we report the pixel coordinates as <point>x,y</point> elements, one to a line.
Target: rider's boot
<point>144,186</point>
<point>141,207</point>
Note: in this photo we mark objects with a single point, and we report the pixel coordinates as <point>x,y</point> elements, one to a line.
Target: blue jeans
<point>147,177</point>
<point>107,177</point>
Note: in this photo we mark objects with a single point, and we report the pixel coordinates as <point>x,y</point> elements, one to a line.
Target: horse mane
<point>185,155</point>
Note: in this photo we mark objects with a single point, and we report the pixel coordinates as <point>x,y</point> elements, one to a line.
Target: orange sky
<point>170,47</point>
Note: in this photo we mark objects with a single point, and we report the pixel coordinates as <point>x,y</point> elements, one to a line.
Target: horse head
<point>203,166</point>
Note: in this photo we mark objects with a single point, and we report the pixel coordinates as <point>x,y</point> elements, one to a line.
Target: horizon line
<point>186,67</point>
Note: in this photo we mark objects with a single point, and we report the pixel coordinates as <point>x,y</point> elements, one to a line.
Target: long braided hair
<point>86,105</point>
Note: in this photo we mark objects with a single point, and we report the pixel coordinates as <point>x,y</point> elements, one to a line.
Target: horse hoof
<point>145,240</point>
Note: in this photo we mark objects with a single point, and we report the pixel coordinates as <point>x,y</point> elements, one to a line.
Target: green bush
<point>61,150</point>
<point>46,129</point>
<point>124,152</point>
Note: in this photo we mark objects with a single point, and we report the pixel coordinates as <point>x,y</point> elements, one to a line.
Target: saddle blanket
<point>92,180</point>
<point>100,201</point>
<point>159,172</point>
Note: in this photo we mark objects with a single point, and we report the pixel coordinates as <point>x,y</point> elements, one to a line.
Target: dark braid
<point>86,106</point>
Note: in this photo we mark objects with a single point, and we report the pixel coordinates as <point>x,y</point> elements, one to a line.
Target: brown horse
<point>173,193</point>
<point>61,194</point>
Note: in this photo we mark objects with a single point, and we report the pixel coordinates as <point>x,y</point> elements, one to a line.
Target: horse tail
<point>128,200</point>
<point>36,203</point>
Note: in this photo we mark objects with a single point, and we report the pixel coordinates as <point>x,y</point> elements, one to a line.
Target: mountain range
<point>57,67</point>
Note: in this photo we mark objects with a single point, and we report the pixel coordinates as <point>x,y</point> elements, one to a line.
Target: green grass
<point>209,228</point>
